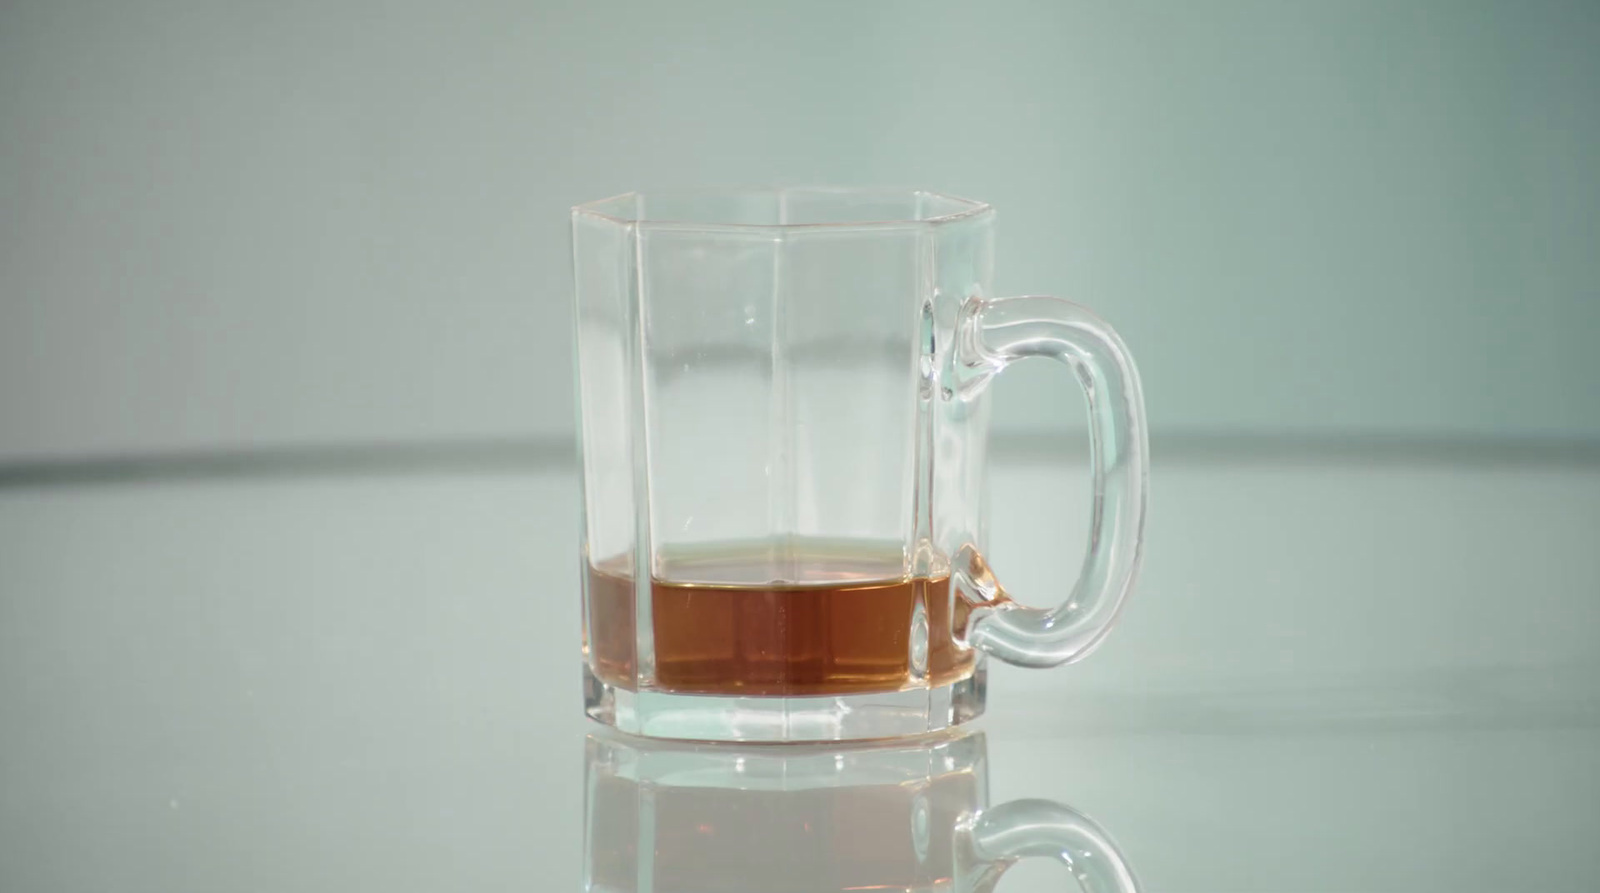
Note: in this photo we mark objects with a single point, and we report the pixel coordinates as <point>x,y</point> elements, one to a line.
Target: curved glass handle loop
<point>1001,836</point>
<point>992,334</point>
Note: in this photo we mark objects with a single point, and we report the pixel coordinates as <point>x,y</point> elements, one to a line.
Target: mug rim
<point>627,209</point>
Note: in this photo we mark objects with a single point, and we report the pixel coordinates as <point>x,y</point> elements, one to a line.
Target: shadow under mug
<point>669,817</point>
<point>783,419</point>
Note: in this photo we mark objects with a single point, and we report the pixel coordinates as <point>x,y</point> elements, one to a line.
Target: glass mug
<point>783,417</point>
<point>669,817</point>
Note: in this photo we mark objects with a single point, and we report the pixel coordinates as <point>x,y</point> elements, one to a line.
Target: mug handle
<point>997,838</point>
<point>991,334</point>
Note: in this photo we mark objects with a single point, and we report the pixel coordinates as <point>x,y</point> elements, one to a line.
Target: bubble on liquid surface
<point>921,826</point>
<point>919,641</point>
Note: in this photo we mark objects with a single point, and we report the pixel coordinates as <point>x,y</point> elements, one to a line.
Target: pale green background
<point>333,236</point>
<point>244,224</point>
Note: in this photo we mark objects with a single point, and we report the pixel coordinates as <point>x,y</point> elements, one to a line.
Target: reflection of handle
<point>1022,828</point>
<point>991,335</point>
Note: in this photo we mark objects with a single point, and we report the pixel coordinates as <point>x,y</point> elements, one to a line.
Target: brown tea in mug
<point>845,634</point>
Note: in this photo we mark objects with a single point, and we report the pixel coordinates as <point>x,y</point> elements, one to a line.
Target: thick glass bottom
<point>824,718</point>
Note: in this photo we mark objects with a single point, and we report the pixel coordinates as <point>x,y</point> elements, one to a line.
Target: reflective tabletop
<point>1337,674</point>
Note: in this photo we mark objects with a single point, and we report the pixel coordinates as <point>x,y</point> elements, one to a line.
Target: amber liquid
<point>776,639</point>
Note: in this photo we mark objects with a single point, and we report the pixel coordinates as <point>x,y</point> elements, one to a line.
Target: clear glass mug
<point>669,817</point>
<point>783,418</point>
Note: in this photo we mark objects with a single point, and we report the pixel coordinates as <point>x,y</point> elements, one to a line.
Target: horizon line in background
<point>549,453</point>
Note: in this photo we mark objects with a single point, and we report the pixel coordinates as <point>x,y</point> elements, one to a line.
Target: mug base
<point>855,717</point>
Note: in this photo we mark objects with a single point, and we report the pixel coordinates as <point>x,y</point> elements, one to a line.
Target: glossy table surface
<point>1335,675</point>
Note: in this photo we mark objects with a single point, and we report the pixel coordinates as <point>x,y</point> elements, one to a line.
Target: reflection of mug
<point>783,416</point>
<point>667,817</point>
